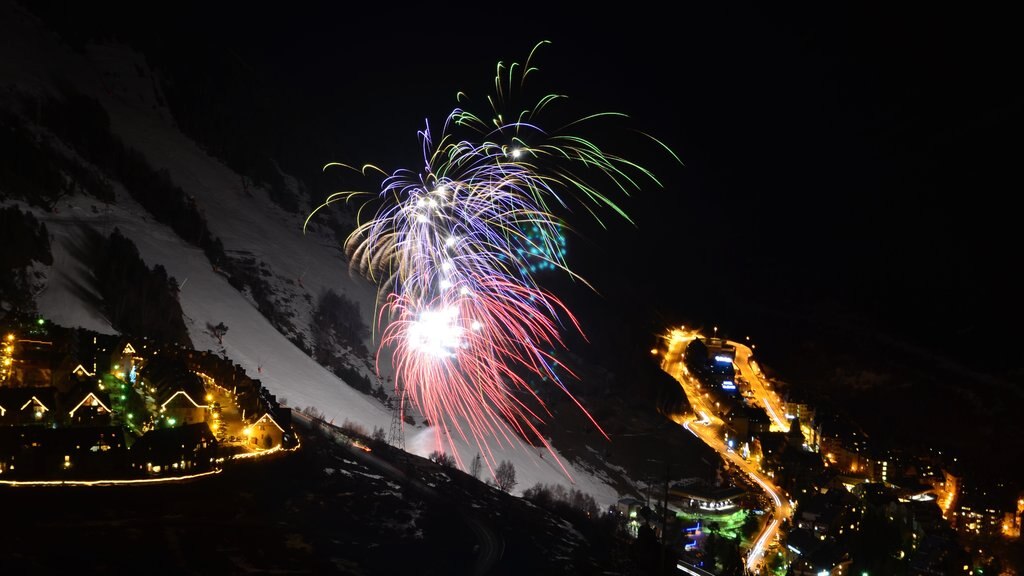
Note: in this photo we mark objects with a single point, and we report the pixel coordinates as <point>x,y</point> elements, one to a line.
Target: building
<point>28,406</point>
<point>987,510</point>
<point>845,446</point>
<point>827,514</point>
<point>81,452</point>
<point>746,422</point>
<point>829,559</point>
<point>702,496</point>
<point>711,360</point>
<point>88,406</point>
<point>184,449</point>
<point>265,432</point>
<point>178,393</point>
<point>32,363</point>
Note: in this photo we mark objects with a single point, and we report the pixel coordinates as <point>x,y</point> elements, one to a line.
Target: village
<point>78,407</point>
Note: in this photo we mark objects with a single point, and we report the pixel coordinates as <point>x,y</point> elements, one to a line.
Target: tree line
<point>138,300</point>
<point>23,240</point>
<point>338,327</point>
<point>31,168</point>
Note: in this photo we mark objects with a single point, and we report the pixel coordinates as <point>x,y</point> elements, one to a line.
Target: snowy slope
<point>248,223</point>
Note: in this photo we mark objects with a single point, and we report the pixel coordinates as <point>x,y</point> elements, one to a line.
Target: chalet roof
<point>13,399</point>
<point>80,371</point>
<point>185,398</point>
<point>267,417</point>
<point>169,376</point>
<point>93,398</point>
<point>80,390</point>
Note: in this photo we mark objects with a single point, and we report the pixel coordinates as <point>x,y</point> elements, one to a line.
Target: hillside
<point>249,265</point>
<point>327,509</point>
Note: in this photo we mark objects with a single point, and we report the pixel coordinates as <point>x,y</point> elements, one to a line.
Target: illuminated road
<point>706,425</point>
<point>764,396</point>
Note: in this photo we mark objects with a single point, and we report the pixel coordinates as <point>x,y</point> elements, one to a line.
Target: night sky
<point>842,165</point>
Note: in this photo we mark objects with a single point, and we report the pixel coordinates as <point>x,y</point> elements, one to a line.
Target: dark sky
<point>844,164</point>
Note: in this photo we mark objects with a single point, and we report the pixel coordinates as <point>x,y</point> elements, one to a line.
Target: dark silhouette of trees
<point>31,169</point>
<point>337,323</point>
<point>556,497</point>
<point>137,300</point>
<point>442,459</point>
<point>338,327</point>
<point>23,239</point>
<point>476,466</point>
<point>505,476</point>
<point>217,331</point>
<point>83,124</point>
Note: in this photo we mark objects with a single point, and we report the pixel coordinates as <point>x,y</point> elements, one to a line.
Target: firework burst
<point>454,249</point>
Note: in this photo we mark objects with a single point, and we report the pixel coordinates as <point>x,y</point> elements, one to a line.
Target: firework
<point>454,249</point>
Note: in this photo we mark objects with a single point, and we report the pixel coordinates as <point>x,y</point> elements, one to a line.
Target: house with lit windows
<point>27,406</point>
<point>81,452</point>
<point>265,432</point>
<point>185,449</point>
<point>86,404</point>
<point>179,395</point>
<point>75,405</point>
<point>183,407</point>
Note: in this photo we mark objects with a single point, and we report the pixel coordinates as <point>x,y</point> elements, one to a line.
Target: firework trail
<point>463,317</point>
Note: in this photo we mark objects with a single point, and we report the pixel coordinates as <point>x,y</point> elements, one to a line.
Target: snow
<point>246,221</point>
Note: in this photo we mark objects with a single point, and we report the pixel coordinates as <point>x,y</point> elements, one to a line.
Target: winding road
<point>706,425</point>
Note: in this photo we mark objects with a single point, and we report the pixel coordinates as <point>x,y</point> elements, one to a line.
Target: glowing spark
<point>454,250</point>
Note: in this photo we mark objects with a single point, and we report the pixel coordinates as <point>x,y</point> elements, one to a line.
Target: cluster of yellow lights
<point>6,357</point>
<point>107,482</point>
<point>113,482</point>
<point>262,453</point>
<point>6,352</point>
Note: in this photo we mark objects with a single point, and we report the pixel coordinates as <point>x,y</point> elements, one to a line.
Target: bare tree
<point>217,331</point>
<point>442,459</point>
<point>505,476</point>
<point>313,412</point>
<point>475,466</point>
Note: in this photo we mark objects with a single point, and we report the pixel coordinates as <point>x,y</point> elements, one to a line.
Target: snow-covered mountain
<point>297,265</point>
